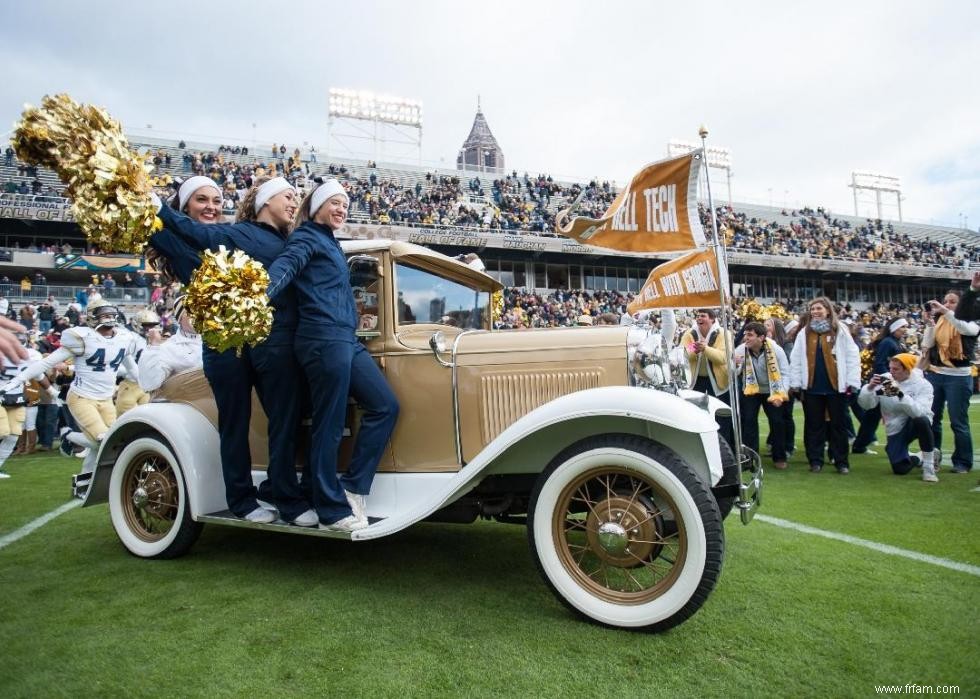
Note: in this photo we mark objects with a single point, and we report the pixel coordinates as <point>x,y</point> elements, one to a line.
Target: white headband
<point>269,190</point>
<point>326,190</point>
<point>790,325</point>
<point>191,185</point>
<point>900,323</point>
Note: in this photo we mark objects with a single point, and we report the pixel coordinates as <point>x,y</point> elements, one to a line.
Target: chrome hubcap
<point>612,538</point>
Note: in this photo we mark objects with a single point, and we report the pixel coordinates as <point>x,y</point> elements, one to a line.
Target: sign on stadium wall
<point>38,211</point>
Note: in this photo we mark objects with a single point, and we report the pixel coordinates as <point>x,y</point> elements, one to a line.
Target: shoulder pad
<point>73,340</point>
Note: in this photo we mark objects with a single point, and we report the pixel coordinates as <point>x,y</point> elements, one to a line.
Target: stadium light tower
<point>716,157</point>
<point>393,120</point>
<point>877,183</point>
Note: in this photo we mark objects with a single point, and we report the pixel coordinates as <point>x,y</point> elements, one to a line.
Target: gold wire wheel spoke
<point>586,500</point>
<point>650,516</point>
<point>162,503</point>
<point>639,586</point>
<point>609,490</point>
<point>649,565</point>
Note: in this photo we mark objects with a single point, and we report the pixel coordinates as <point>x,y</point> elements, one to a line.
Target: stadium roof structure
<point>480,150</point>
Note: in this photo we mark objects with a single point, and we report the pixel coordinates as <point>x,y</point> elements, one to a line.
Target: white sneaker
<point>347,524</point>
<point>4,474</point>
<point>83,453</point>
<point>307,519</point>
<point>260,515</point>
<point>357,504</point>
<point>929,475</point>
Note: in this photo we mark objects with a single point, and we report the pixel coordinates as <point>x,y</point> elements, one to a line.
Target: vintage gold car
<point>581,434</point>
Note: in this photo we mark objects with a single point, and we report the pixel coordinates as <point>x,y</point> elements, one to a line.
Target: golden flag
<point>656,212</point>
<point>689,281</point>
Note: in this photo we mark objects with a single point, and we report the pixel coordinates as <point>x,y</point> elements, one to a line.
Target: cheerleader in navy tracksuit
<point>336,364</point>
<point>264,219</point>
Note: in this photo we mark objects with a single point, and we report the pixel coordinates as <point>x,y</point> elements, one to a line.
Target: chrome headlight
<point>650,360</point>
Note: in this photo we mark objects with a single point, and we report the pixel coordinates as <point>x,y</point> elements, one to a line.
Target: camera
<point>887,387</point>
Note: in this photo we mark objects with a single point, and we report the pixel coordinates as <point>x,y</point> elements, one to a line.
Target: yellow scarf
<point>948,342</point>
<point>777,388</point>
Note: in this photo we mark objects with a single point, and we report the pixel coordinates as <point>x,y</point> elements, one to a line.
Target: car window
<point>424,297</point>
<point>365,285</point>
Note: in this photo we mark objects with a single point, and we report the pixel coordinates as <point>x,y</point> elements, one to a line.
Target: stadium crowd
<point>517,204</point>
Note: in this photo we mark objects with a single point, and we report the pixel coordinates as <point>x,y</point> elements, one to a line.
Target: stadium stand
<point>509,219</point>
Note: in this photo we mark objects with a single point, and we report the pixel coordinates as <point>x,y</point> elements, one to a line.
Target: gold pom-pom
<point>107,182</point>
<point>226,298</point>
<point>497,305</point>
<point>867,365</point>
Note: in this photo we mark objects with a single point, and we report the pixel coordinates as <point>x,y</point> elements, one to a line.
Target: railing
<point>67,294</point>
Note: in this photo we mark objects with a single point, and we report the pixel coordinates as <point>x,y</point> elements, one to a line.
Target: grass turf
<point>443,610</point>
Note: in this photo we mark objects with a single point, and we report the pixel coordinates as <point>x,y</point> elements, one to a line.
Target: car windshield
<point>424,297</point>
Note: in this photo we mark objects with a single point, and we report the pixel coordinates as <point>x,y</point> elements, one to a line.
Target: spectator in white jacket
<point>162,359</point>
<point>826,366</point>
<point>905,399</point>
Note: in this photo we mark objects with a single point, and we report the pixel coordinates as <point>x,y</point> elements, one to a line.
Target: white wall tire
<point>148,501</point>
<point>625,533</point>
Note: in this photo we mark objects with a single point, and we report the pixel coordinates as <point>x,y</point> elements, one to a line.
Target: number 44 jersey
<point>97,359</point>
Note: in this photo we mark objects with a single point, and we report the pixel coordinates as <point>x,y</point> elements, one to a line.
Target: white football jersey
<point>137,345</point>
<point>97,360</point>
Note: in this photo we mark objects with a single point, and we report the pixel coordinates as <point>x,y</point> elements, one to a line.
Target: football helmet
<point>145,321</point>
<point>101,314</point>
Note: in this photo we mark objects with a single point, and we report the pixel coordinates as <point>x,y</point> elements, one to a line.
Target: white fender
<point>194,442</point>
<point>681,419</point>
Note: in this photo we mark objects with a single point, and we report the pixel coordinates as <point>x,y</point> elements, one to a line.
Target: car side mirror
<point>438,344</point>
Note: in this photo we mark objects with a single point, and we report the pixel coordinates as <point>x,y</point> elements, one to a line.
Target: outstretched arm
<point>300,247</point>
<point>201,236</point>
<point>39,368</point>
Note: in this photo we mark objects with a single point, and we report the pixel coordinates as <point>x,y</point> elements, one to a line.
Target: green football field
<point>460,611</point>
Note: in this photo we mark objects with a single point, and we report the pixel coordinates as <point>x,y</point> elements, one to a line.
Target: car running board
<point>227,519</point>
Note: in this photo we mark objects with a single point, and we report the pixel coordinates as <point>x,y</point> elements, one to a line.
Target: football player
<point>98,350</point>
<point>129,394</point>
<point>14,402</point>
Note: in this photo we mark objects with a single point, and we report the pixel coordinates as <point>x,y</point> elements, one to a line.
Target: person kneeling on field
<point>905,399</point>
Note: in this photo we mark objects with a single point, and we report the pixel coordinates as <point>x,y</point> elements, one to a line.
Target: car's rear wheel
<point>625,533</point>
<point>148,501</point>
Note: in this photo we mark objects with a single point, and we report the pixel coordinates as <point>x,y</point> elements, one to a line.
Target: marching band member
<point>264,219</point>
<point>336,364</point>
<point>128,393</point>
<point>98,351</point>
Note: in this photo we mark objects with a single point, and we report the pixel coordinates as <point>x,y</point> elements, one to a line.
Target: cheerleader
<point>264,219</point>
<point>336,364</point>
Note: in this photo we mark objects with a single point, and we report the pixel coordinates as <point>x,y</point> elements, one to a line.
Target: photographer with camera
<point>905,399</point>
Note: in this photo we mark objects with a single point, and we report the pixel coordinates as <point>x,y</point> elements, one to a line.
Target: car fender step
<point>227,519</point>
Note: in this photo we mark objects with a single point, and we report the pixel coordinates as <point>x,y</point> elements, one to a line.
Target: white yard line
<point>13,536</point>
<point>873,545</point>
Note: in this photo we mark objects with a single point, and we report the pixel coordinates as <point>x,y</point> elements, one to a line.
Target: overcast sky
<point>802,94</point>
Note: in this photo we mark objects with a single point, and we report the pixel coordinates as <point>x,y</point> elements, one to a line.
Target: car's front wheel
<point>148,501</point>
<point>626,533</point>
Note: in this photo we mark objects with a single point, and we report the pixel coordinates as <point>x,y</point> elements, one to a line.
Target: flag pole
<point>725,302</point>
